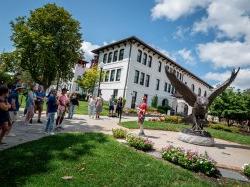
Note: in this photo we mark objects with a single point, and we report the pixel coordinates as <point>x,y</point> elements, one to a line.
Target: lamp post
<point>101,67</point>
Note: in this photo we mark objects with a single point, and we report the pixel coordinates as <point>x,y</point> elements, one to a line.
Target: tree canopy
<point>48,44</point>
<point>232,105</point>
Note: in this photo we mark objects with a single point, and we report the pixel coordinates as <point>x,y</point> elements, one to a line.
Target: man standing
<point>51,112</point>
<point>39,102</point>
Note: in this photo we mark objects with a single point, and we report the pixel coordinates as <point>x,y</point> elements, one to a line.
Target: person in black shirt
<point>73,103</point>
<point>4,112</point>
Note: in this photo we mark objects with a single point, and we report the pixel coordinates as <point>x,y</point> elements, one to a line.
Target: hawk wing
<point>217,91</point>
<point>181,88</point>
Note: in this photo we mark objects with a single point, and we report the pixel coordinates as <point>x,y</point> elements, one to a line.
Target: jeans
<point>71,111</point>
<point>50,122</point>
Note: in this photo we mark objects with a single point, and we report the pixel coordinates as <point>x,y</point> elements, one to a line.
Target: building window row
<point>140,78</point>
<point>112,75</point>
<point>144,58</point>
<point>113,56</point>
<point>199,91</point>
<point>179,75</point>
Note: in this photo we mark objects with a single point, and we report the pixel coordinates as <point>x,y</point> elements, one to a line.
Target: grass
<point>93,159</point>
<point>224,135</point>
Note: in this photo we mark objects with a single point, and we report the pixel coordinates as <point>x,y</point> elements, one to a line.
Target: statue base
<point>196,137</point>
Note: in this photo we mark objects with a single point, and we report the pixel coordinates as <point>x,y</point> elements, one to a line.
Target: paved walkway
<point>226,154</point>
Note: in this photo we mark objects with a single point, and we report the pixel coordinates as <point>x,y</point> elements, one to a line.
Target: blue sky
<point>208,37</point>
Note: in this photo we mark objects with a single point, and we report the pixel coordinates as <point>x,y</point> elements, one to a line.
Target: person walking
<point>30,106</point>
<point>119,107</point>
<point>98,106</point>
<point>111,106</point>
<point>91,106</point>
<point>141,115</point>
<point>72,105</point>
<point>4,112</point>
<point>62,107</point>
<point>40,95</point>
<point>51,112</point>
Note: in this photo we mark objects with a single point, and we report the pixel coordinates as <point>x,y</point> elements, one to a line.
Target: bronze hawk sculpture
<point>200,104</point>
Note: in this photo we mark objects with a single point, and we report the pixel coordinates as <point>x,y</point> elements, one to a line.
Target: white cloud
<point>228,18</point>
<point>186,56</point>
<point>225,54</point>
<point>241,81</point>
<point>174,9</point>
<point>181,33</point>
<point>87,47</point>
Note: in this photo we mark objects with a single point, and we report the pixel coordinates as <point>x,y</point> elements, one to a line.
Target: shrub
<point>173,119</point>
<point>139,143</point>
<point>163,109</point>
<point>119,133</point>
<point>190,160</point>
<point>154,101</point>
<point>224,128</point>
<point>246,170</point>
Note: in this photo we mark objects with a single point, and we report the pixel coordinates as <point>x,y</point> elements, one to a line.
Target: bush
<point>163,109</point>
<point>190,160</point>
<point>139,143</point>
<point>224,128</point>
<point>174,119</point>
<point>246,170</point>
<point>119,133</point>
<point>154,101</point>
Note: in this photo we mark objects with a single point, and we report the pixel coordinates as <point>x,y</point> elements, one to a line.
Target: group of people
<point>115,106</point>
<point>95,106</point>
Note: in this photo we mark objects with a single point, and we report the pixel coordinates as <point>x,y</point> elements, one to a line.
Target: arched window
<point>205,94</point>
<point>193,87</point>
<point>199,92</point>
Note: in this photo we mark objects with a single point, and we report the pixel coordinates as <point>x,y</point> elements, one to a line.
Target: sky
<point>208,37</point>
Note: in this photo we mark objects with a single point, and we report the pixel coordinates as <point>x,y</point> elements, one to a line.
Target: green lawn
<point>93,159</point>
<point>229,136</point>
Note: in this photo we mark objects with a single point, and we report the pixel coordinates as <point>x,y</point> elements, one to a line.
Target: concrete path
<point>226,154</point>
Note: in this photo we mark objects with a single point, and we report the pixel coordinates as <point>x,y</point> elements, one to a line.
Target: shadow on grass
<point>17,164</point>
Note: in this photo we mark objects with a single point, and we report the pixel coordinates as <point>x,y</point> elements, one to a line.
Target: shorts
<point>61,113</point>
<point>13,116</point>
<point>111,108</point>
<point>39,106</point>
<point>141,118</point>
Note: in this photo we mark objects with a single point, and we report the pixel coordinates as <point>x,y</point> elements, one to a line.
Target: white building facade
<point>133,69</point>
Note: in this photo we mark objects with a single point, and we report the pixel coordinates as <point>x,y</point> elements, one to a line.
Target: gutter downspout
<point>129,59</point>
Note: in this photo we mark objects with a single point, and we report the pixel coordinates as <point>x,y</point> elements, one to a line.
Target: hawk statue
<point>200,104</point>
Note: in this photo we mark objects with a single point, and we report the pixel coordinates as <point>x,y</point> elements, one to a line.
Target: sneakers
<point>52,133</point>
<point>11,135</point>
<point>39,121</point>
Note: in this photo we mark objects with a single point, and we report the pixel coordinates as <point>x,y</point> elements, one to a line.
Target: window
<point>136,78</point>
<point>193,87</point>
<point>142,78</point>
<point>166,87</point>
<point>199,92</point>
<point>107,76</point>
<point>169,88</point>
<point>121,54</point>
<point>118,75</point>
<point>159,66</point>
<point>149,61</point>
<point>147,80</point>
<point>145,56</point>
<point>112,75</point>
<point>115,93</point>
<point>105,58</point>
<point>157,84</point>
<point>167,68</point>
<point>139,56</point>
<point>110,57</point>
<point>146,96</point>
<point>205,94</point>
<point>173,90</point>
<point>115,56</point>
<point>177,75</point>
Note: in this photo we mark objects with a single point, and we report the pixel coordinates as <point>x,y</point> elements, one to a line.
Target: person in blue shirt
<point>51,112</point>
<point>40,95</point>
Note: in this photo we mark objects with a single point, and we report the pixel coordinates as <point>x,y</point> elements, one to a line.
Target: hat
<point>18,87</point>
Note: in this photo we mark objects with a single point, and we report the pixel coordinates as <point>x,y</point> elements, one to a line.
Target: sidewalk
<point>226,154</point>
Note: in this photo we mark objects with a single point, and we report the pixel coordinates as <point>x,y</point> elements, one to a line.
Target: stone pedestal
<point>196,138</point>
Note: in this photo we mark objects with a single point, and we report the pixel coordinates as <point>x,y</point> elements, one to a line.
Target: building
<point>133,69</point>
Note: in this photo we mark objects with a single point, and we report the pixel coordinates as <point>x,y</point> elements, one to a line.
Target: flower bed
<point>246,170</point>
<point>168,119</point>
<point>139,142</point>
<point>190,160</point>
<point>119,133</point>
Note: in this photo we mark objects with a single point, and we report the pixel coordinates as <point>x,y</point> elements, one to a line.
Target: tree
<point>89,79</point>
<point>154,101</point>
<point>48,44</point>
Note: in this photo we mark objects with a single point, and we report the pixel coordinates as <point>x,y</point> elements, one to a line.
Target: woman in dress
<point>30,106</point>
<point>98,106</point>
<point>141,115</point>
<point>91,106</point>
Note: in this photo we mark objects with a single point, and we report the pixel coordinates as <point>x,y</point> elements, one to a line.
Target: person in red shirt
<point>141,115</point>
